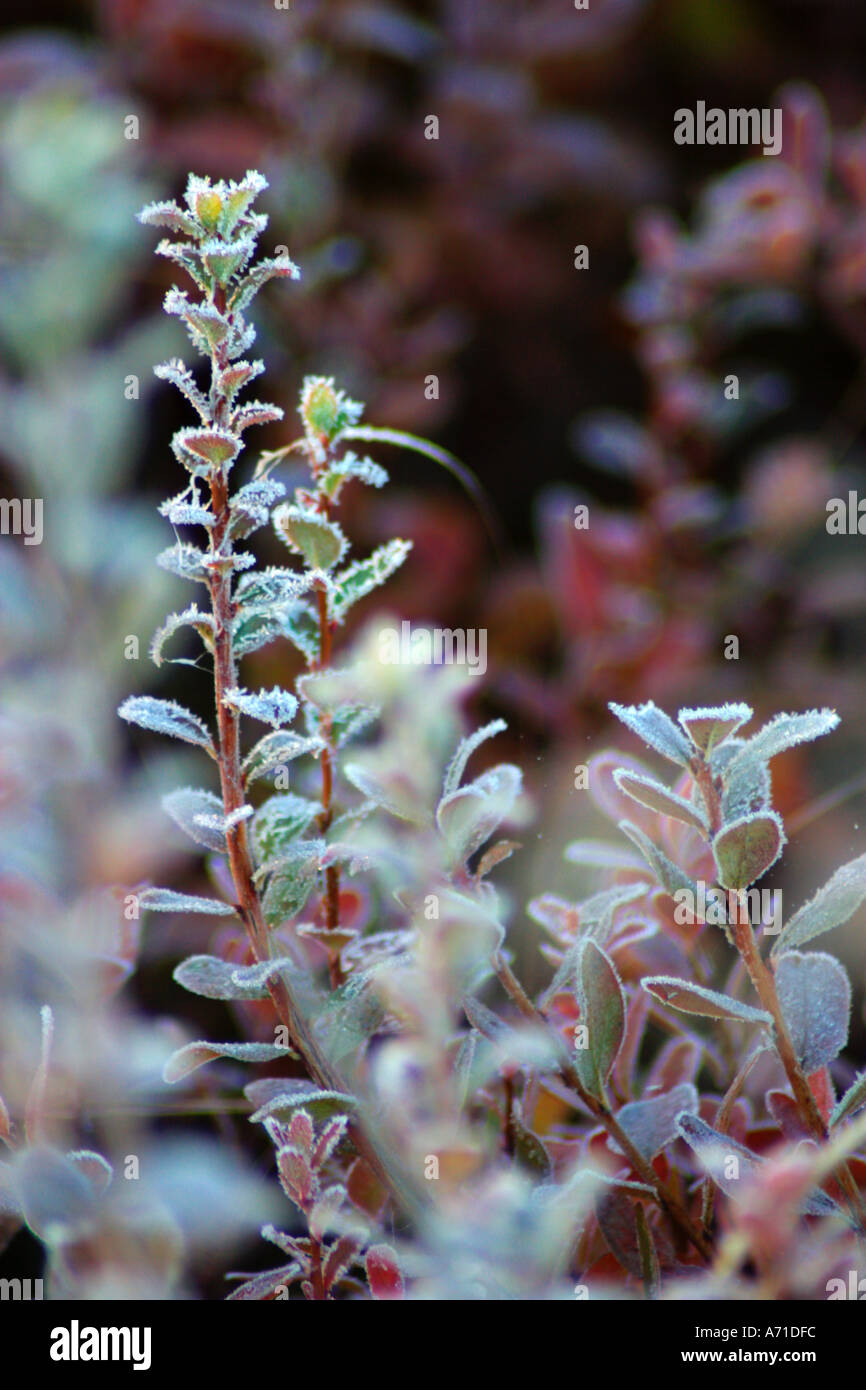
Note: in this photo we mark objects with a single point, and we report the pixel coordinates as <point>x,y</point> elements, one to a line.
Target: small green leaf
<point>745,849</point>
<point>279,822</point>
<point>601,1002</point>
<point>307,533</point>
<point>853,1100</point>
<point>275,750</point>
<point>362,577</point>
<point>292,881</point>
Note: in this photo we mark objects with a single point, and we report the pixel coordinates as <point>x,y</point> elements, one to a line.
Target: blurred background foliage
<point>452,257</point>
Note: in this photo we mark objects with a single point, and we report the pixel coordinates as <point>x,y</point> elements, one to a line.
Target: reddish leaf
<point>383,1273</point>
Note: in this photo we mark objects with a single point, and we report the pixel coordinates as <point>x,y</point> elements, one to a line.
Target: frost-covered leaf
<point>196,1054</point>
<point>166,717</point>
<point>815,997</point>
<point>264,270</point>
<point>286,1096</point>
<point>601,1002</point>
<point>202,623</point>
<point>255,413</point>
<point>309,533</point>
<point>651,1124</point>
<point>529,1151</point>
<point>325,1215</point>
<point>301,626</point>
<point>213,446</point>
<point>746,782</point>
<point>186,561</point>
<point>363,576</point>
<point>785,731</point>
<point>251,506</point>
<point>167,900</point>
<point>273,707</point>
<point>670,875</point>
<point>234,377</point>
<point>275,750</point>
<point>56,1198</point>
<point>168,214</point>
<point>254,629</point>
<point>214,978</point>
<point>264,1286</point>
<point>384,788</point>
<point>279,822</point>
<point>708,727</point>
<point>715,1150</point>
<point>341,1256</point>
<point>223,259</point>
<point>690,998</point>
<point>95,1168</point>
<point>180,376</point>
<point>600,854</point>
<point>465,749</point>
<point>853,1100</point>
<point>200,814</point>
<point>471,814</point>
<point>292,881</point>
<point>657,729</point>
<point>648,792</point>
<point>383,1273</point>
<point>832,905</point>
<point>364,470</point>
<point>181,512</point>
<point>745,849</point>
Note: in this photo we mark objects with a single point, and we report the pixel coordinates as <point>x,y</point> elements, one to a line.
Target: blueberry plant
<point>667,1115</point>
<point>638,1167</point>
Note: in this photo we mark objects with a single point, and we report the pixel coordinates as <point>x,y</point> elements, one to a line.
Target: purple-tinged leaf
<point>815,997</point>
<point>689,998</point>
<point>340,1258</point>
<point>656,797</point>
<point>296,1176</point>
<point>196,1054</point>
<point>652,1124</point>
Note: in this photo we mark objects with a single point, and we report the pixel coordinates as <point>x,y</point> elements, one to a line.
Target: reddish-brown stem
<point>332,872</point>
<point>249,907</point>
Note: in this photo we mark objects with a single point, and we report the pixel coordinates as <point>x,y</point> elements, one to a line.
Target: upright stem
<point>286,1007</point>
